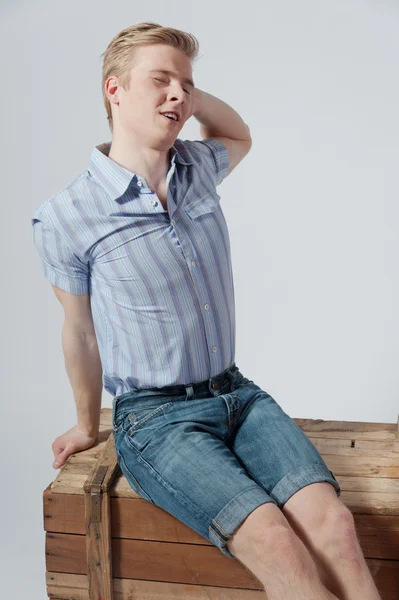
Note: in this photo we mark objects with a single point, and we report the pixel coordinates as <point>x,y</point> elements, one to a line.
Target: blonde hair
<point>119,55</point>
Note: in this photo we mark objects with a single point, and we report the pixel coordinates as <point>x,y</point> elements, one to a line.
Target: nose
<point>178,93</point>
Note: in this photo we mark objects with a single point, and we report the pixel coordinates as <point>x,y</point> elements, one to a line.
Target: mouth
<point>170,119</point>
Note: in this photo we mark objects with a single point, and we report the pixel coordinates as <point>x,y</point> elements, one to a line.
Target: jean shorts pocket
<point>138,417</point>
<point>132,480</point>
<point>119,420</point>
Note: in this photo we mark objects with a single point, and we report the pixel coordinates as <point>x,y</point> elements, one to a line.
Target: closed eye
<point>163,81</point>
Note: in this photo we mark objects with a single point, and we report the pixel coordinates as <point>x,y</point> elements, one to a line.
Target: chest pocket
<point>207,203</point>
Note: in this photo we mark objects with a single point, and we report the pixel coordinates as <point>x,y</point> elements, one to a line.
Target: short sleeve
<point>215,155</point>
<point>60,265</point>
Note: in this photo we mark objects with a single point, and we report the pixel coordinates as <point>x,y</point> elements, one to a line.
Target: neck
<point>150,163</point>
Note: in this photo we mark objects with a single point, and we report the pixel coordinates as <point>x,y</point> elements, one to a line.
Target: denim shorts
<point>210,453</point>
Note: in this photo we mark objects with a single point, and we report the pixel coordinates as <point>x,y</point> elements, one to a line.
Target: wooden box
<point>105,542</point>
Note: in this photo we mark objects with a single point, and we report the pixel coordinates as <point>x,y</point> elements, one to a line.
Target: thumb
<point>60,459</point>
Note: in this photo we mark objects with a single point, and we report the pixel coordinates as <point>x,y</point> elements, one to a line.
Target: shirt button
<point>193,263</point>
<point>153,202</point>
<point>206,306</point>
<point>140,183</point>
<point>173,221</point>
<point>214,349</point>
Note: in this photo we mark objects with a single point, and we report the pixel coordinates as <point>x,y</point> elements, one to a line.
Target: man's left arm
<point>220,121</point>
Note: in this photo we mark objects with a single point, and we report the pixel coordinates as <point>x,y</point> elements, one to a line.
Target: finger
<point>60,459</point>
<point>57,453</point>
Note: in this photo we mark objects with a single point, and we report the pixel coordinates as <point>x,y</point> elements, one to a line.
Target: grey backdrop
<point>315,250</point>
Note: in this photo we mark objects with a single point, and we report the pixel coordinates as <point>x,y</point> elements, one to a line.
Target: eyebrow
<point>186,80</point>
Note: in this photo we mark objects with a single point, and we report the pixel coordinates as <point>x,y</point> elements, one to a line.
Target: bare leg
<point>342,567</point>
<point>277,557</point>
<point>329,533</point>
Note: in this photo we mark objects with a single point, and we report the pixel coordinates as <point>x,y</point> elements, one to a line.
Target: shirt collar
<point>116,180</point>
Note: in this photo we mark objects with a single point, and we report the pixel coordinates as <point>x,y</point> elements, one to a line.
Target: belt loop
<point>189,392</point>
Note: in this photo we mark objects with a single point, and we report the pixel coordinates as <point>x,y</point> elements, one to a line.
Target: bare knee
<point>270,549</point>
<point>266,525</point>
<point>338,534</point>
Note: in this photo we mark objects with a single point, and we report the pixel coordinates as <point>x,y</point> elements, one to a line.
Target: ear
<point>111,88</point>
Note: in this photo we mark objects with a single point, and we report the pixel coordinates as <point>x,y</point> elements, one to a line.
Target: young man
<point>137,250</point>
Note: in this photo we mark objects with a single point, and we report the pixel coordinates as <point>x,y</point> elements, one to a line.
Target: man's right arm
<point>82,359</point>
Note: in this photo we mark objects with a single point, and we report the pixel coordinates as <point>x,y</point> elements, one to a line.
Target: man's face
<point>152,92</point>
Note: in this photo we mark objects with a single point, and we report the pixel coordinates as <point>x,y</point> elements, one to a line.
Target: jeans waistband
<point>218,384</point>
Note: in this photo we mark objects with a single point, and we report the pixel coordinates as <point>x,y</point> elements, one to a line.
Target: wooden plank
<point>362,466</point>
<point>375,488</point>
<point>64,513</point>
<point>65,586</point>
<point>201,564</point>
<point>348,429</point>
<point>373,450</point>
<point>97,522</point>
<point>155,561</point>
<point>365,503</point>
<point>378,533</point>
<point>378,536</point>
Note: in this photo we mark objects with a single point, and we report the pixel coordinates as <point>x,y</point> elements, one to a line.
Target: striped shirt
<point>160,281</point>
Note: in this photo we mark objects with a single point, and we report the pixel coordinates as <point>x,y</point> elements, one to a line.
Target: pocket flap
<point>205,204</point>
